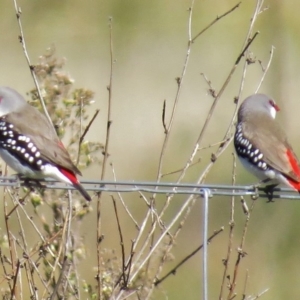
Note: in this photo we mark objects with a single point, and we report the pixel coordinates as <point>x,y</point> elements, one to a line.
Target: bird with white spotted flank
<point>30,145</point>
<point>262,145</point>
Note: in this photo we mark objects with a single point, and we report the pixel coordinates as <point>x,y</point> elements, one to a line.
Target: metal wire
<point>205,190</point>
<point>206,194</point>
<point>160,188</point>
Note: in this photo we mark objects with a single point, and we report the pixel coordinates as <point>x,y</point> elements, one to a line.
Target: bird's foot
<point>31,182</point>
<point>269,191</point>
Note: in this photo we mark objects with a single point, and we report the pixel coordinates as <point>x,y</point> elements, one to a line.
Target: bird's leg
<point>31,182</point>
<point>263,181</point>
<point>269,190</point>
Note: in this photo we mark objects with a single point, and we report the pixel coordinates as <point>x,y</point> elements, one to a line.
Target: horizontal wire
<point>158,188</point>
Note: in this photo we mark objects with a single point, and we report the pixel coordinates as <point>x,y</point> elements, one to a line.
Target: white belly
<point>16,165</point>
<point>275,176</point>
<point>48,170</point>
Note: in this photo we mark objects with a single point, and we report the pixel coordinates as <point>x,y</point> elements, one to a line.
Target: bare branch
<point>174,270</point>
<point>31,67</point>
<point>266,69</point>
<point>215,21</point>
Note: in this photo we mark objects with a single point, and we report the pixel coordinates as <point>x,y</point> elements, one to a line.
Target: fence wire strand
<point>160,188</point>
<point>206,194</point>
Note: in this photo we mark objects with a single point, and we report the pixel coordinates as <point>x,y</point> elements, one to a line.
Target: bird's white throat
<point>273,112</point>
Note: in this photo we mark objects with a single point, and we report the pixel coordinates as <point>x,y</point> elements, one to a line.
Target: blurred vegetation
<point>150,39</point>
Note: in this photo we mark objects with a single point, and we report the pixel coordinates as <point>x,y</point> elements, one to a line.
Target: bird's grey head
<point>256,105</point>
<point>10,101</point>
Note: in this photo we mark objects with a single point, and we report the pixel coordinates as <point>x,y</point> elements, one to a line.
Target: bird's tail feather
<point>73,179</point>
<point>82,191</point>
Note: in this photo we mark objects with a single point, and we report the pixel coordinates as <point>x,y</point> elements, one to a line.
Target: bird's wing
<point>46,141</point>
<point>276,150</point>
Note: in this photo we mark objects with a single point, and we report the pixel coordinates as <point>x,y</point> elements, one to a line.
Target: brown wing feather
<point>273,146</point>
<point>47,141</point>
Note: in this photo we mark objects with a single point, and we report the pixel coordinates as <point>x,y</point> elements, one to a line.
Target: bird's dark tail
<point>82,191</point>
<point>75,182</point>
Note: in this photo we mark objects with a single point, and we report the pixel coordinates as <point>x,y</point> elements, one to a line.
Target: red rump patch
<point>295,166</point>
<point>69,174</point>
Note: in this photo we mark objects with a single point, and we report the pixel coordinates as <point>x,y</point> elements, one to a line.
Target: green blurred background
<point>150,40</point>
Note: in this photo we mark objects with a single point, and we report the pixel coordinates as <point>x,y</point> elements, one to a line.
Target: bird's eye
<point>272,103</point>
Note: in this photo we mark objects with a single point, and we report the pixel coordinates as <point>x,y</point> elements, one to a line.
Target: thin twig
<point>211,90</point>
<point>260,294</point>
<point>85,132</point>
<point>178,92</point>
<point>129,264</point>
<point>246,47</point>
<point>60,279</point>
<point>245,285</point>
<point>31,283</point>
<point>33,265</point>
<point>31,67</point>
<point>123,202</point>
<point>6,274</point>
<point>9,237</point>
<point>231,227</point>
<point>180,170</point>
<point>241,254</point>
<point>64,247</point>
<point>163,117</point>
<point>16,200</point>
<point>123,275</point>
<point>174,270</point>
<point>110,90</point>
<point>215,20</point>
<point>21,201</point>
<point>266,69</point>
<point>104,163</point>
<point>68,223</point>
<point>16,276</point>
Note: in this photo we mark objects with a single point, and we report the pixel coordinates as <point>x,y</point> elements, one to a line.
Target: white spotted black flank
<point>20,146</point>
<point>246,150</point>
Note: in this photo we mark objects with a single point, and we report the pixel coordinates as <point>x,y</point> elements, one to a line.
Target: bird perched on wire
<point>30,145</point>
<point>262,145</point>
